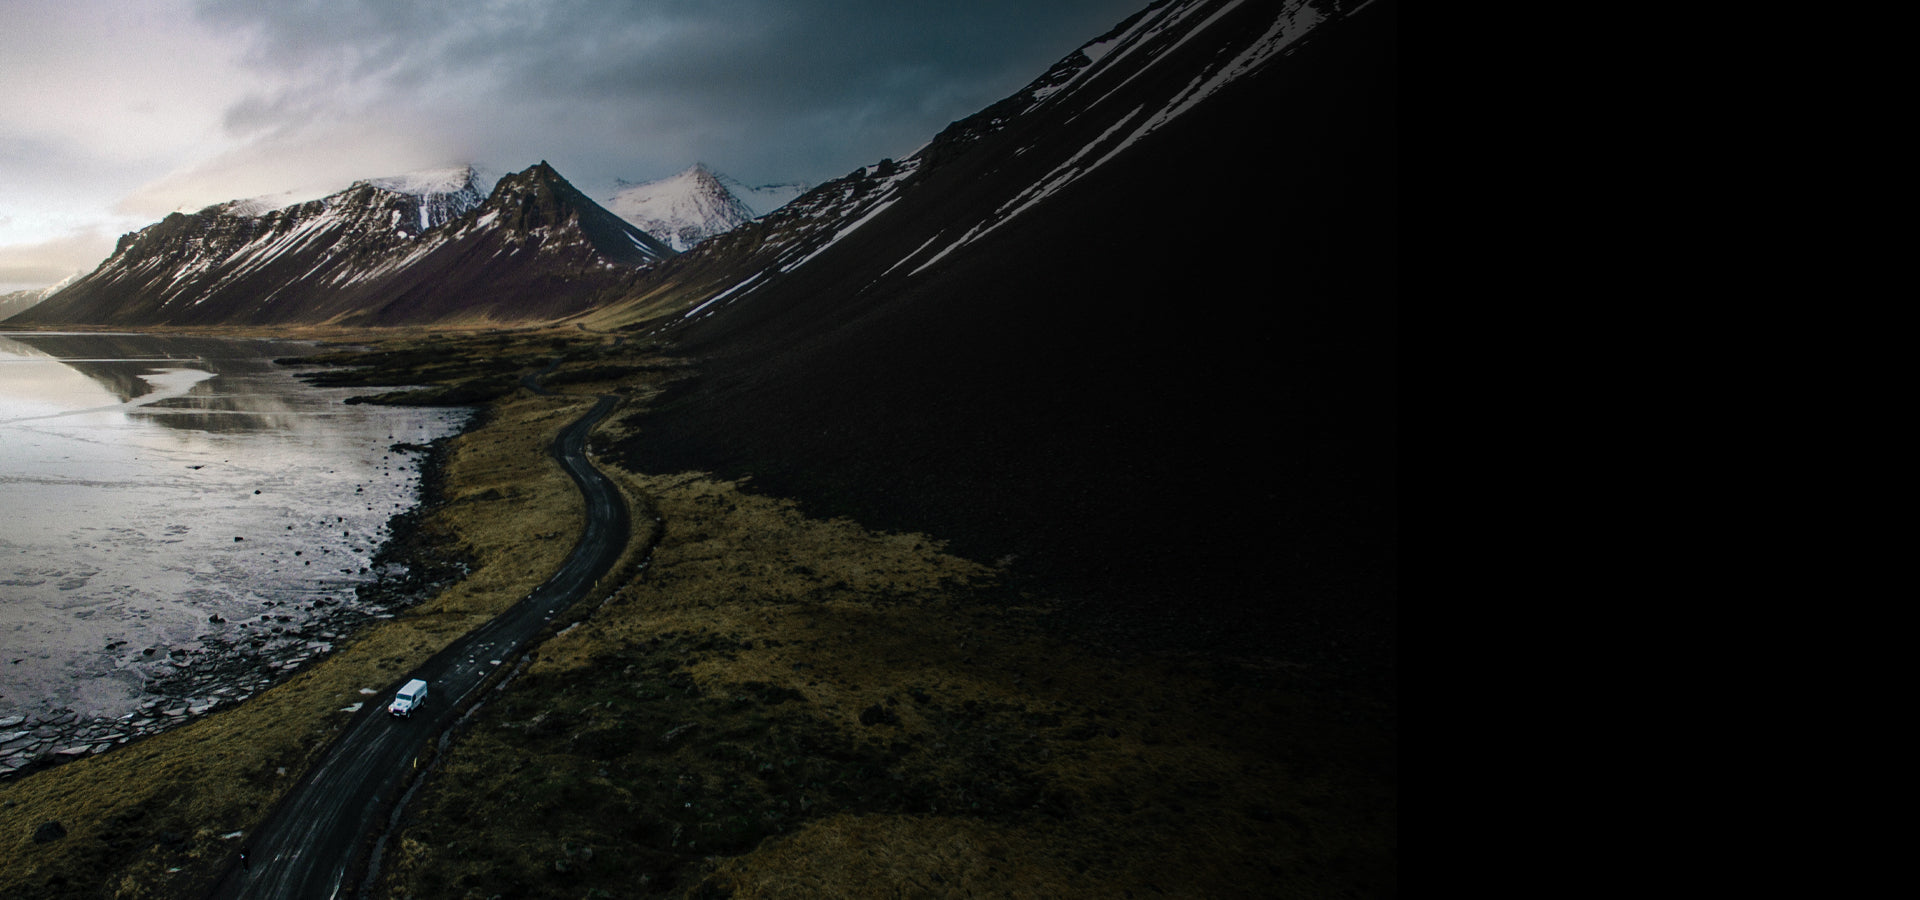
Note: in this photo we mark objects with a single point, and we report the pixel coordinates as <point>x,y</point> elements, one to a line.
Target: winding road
<point>315,842</point>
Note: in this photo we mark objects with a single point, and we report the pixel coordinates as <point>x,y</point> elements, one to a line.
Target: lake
<point>169,505</point>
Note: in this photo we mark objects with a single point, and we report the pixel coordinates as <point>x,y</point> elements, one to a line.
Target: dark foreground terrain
<point>778,703</point>
<point>788,704</point>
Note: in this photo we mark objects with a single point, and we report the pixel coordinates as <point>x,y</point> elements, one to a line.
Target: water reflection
<point>199,384</point>
<point>163,494</point>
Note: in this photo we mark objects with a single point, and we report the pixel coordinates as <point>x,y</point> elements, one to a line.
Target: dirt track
<point>314,844</point>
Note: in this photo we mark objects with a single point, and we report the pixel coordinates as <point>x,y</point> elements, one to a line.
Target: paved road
<point>314,843</point>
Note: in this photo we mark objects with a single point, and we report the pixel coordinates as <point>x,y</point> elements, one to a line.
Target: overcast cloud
<point>113,114</point>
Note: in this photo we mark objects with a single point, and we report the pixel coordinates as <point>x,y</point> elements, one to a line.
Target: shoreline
<point>217,671</point>
<point>166,812</point>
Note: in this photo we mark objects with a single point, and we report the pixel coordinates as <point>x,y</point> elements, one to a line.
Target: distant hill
<point>16,301</point>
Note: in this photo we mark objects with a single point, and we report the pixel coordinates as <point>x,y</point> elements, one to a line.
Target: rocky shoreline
<point>223,669</point>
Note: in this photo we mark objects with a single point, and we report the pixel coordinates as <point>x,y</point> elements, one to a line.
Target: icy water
<point>172,502</point>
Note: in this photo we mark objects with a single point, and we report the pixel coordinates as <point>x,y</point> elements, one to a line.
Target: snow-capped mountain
<point>682,209</point>
<point>423,247</point>
<point>390,248</point>
<point>442,194</point>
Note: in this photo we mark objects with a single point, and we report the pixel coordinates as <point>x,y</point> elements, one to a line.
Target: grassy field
<point>787,707</point>
<point>775,705</point>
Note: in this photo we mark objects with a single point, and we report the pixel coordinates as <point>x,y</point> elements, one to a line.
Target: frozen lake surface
<point>167,500</point>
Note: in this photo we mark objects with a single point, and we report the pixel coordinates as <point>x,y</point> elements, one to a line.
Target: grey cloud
<point>795,89</point>
<point>24,266</point>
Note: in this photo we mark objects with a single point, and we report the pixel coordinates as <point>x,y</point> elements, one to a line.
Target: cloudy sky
<point>115,112</point>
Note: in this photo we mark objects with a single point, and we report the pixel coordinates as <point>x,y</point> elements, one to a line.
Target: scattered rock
<point>676,731</point>
<point>48,832</point>
<point>879,715</point>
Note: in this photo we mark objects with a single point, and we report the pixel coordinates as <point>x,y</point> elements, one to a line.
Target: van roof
<point>414,685</point>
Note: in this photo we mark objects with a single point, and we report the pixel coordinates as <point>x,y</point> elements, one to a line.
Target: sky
<point>114,113</point>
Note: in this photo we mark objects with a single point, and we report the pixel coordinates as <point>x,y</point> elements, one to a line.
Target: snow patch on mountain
<point>444,194</point>
<point>451,180</point>
<point>255,207</point>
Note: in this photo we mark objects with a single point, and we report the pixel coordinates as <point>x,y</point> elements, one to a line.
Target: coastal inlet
<point>182,522</point>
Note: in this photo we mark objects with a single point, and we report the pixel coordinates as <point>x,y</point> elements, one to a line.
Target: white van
<point>410,697</point>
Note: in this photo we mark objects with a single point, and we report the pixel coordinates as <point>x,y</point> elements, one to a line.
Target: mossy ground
<point>788,707</point>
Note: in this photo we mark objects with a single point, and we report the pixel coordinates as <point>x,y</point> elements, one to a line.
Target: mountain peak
<point>540,198</point>
<point>682,209</point>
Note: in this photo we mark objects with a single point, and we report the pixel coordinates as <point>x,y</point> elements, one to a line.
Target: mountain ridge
<point>380,252</point>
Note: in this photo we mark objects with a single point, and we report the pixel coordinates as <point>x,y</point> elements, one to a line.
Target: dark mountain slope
<point>538,249</point>
<point>1191,423</point>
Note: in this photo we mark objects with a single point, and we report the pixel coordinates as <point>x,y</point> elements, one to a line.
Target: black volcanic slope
<point>1169,391</point>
